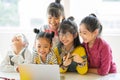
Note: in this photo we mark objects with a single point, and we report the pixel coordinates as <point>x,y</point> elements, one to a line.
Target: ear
<point>51,45</point>
<point>96,32</point>
<point>24,44</point>
<point>62,18</point>
<point>75,35</point>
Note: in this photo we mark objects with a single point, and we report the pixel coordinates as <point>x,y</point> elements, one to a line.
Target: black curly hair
<point>40,34</point>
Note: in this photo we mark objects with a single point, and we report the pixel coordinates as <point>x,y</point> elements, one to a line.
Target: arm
<point>93,70</point>
<point>106,59</point>
<point>59,60</point>
<point>6,66</point>
<point>80,51</point>
<point>53,58</point>
<point>28,56</point>
<point>56,52</point>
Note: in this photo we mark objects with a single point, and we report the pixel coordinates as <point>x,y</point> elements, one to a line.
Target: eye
<point>56,18</point>
<point>49,17</point>
<point>84,33</point>
<point>39,46</point>
<point>45,46</point>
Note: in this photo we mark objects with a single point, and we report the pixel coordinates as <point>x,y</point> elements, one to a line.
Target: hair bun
<point>71,18</point>
<point>92,14</point>
<point>36,30</point>
<point>57,1</point>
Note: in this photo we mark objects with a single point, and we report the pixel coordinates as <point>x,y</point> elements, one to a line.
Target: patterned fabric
<point>50,59</point>
<point>65,52</point>
<point>73,67</point>
<point>6,65</point>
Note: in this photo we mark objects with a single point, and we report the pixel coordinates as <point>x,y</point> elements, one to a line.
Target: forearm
<point>63,70</point>
<point>93,70</point>
<point>8,68</point>
<point>82,69</point>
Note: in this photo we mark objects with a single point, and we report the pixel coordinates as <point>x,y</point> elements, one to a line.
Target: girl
<point>19,54</point>
<point>98,51</point>
<point>55,14</point>
<point>43,44</point>
<point>72,56</point>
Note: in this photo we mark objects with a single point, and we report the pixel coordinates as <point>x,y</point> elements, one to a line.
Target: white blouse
<point>11,61</point>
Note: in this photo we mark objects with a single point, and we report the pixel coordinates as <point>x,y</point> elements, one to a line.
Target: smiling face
<point>42,46</point>
<point>86,35</point>
<point>66,38</point>
<point>54,22</point>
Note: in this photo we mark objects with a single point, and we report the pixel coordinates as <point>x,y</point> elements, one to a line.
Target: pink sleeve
<point>106,59</point>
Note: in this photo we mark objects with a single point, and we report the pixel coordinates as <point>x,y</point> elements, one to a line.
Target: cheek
<point>49,21</point>
<point>57,21</point>
<point>60,38</point>
<point>48,50</point>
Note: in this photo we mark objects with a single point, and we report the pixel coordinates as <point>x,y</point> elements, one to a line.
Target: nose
<point>14,39</point>
<point>42,49</point>
<point>63,37</point>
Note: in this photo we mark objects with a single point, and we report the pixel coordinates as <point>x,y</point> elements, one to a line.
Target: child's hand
<point>17,69</point>
<point>77,58</point>
<point>66,60</point>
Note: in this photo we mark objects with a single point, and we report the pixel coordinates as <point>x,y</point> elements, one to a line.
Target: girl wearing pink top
<point>99,53</point>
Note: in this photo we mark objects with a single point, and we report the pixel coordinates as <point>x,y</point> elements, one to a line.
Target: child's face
<point>86,35</point>
<point>54,22</point>
<point>42,46</point>
<point>17,41</point>
<point>66,38</point>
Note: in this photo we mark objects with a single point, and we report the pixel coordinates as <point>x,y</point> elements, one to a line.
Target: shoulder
<point>103,43</point>
<point>10,52</point>
<point>79,48</point>
<point>27,53</point>
<point>55,49</point>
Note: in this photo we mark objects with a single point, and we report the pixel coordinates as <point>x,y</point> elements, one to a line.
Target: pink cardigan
<point>100,56</point>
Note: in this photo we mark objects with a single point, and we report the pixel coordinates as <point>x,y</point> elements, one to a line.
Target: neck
<point>90,44</point>
<point>68,47</point>
<point>17,50</point>
<point>43,58</point>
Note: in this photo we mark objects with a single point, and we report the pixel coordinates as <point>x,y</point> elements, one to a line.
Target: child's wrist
<point>82,64</point>
<point>64,67</point>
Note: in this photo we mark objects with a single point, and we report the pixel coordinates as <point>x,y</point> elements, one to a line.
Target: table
<point>70,76</point>
<point>90,76</point>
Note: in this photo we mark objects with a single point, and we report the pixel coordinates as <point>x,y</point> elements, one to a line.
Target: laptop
<point>39,72</point>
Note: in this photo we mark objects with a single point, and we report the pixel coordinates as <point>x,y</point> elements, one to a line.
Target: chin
<point>85,41</point>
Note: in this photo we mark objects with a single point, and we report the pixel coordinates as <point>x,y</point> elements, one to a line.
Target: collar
<point>49,31</point>
<point>19,52</point>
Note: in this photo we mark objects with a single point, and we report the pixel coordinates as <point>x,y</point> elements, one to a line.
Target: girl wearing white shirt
<point>18,54</point>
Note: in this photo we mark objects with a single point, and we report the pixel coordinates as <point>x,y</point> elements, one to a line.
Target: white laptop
<point>39,72</point>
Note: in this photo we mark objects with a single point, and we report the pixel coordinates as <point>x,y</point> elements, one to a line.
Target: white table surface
<point>70,76</point>
<point>90,76</point>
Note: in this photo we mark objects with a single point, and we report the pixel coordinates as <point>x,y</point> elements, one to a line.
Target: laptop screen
<point>39,72</point>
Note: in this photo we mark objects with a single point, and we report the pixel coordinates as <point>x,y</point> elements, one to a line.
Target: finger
<point>68,55</point>
<point>64,58</point>
<point>74,54</point>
